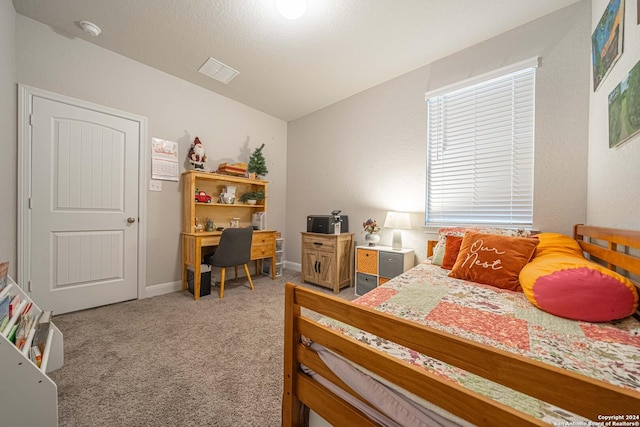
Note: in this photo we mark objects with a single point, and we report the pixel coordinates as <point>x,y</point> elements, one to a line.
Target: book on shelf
<point>5,291</point>
<point>14,304</point>
<point>36,355</point>
<point>42,330</point>
<point>26,347</point>
<point>4,321</point>
<point>4,270</point>
<point>11,336</point>
<point>5,301</point>
<point>25,325</point>
<point>13,318</point>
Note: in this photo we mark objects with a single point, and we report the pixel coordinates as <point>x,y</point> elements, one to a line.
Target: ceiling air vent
<point>217,70</point>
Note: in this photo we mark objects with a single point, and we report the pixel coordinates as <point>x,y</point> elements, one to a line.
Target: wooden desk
<point>263,245</point>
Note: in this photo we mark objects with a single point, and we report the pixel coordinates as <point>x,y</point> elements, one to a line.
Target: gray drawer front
<point>390,264</point>
<point>365,283</point>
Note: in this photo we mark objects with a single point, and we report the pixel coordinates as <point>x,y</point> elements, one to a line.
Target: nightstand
<point>378,264</point>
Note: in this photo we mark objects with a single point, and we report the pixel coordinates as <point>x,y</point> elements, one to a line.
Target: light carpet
<point>173,361</point>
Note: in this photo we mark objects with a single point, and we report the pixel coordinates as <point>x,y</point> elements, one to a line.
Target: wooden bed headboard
<point>431,244</point>
<point>619,250</point>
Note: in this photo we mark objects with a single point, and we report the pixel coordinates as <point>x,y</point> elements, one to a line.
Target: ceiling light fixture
<point>90,28</point>
<point>291,9</point>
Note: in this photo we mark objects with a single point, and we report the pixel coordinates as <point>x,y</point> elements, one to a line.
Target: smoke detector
<point>90,28</point>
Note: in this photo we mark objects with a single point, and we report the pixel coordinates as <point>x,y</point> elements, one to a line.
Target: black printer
<point>325,224</point>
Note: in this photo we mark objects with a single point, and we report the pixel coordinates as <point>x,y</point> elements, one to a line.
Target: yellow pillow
<point>561,281</point>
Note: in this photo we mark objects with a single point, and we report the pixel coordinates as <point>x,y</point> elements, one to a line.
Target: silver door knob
<point>131,220</point>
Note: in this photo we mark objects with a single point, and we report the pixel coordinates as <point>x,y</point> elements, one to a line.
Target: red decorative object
<point>196,155</point>
<point>203,197</point>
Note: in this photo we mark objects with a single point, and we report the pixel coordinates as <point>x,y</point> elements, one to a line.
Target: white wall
<point>8,132</point>
<point>614,173</point>
<point>176,110</point>
<point>366,154</point>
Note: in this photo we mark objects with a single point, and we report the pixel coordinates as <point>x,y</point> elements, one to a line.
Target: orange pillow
<point>493,260</point>
<point>451,249</point>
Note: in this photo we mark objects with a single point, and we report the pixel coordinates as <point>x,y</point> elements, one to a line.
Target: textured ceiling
<point>289,68</point>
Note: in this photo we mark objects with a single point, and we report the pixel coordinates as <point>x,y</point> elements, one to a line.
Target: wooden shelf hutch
<point>264,241</point>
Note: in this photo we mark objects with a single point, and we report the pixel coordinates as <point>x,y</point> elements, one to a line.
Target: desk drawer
<point>263,245</point>
<point>263,239</point>
<point>210,240</point>
<point>262,251</point>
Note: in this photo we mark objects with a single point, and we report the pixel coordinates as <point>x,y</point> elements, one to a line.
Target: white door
<point>84,207</point>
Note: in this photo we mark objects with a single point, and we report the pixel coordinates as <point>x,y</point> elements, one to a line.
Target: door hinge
<point>30,119</point>
<point>29,285</point>
<point>29,202</point>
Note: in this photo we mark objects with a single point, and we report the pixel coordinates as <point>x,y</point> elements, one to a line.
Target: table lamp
<point>398,221</point>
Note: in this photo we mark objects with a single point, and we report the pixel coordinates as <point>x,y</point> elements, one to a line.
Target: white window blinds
<point>480,142</point>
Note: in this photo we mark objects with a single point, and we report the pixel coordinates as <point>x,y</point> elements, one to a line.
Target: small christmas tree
<point>257,163</point>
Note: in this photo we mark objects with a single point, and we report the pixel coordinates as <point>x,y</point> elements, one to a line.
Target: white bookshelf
<point>29,396</point>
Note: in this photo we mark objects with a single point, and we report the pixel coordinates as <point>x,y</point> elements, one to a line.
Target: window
<point>480,141</point>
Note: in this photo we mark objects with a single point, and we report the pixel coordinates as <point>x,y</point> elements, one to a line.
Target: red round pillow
<point>561,281</point>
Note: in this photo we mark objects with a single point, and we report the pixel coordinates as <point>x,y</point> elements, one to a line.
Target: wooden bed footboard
<point>573,392</point>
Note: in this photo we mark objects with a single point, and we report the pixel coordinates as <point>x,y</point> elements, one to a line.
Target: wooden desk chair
<point>233,250</point>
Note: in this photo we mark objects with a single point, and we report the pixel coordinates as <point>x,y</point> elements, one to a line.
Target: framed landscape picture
<point>606,41</point>
<point>624,108</point>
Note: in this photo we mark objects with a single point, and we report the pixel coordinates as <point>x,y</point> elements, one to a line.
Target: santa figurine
<point>196,155</point>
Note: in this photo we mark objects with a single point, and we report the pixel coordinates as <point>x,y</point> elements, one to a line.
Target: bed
<point>457,377</point>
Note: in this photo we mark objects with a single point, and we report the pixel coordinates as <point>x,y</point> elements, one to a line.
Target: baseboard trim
<point>295,266</point>
<point>167,288</point>
<point>163,288</point>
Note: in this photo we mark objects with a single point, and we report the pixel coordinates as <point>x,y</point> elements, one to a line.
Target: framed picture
<point>606,41</point>
<point>624,108</point>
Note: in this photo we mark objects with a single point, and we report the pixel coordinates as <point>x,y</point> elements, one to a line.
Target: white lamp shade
<point>398,220</point>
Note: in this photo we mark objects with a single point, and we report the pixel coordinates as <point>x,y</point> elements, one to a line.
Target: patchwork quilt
<point>506,320</point>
